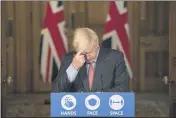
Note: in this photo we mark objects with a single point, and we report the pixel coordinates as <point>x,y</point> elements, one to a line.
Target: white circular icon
<point>116,102</point>
<point>92,102</point>
<point>68,102</point>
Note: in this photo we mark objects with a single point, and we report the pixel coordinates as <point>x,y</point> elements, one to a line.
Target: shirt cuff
<point>71,73</point>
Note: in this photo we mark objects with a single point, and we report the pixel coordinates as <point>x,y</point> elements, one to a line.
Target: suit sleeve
<point>62,82</point>
<point>71,73</point>
<point>121,77</point>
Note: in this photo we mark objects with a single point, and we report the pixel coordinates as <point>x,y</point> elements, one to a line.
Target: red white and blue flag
<point>53,44</point>
<point>116,34</point>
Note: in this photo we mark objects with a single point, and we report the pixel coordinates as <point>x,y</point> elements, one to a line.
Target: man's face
<point>91,53</point>
<point>89,49</point>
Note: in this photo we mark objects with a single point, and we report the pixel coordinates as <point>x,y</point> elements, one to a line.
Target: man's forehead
<point>86,48</point>
<point>89,49</point>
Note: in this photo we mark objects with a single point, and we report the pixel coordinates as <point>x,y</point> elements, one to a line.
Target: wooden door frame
<point>3,56</point>
<point>172,59</point>
<point>133,20</point>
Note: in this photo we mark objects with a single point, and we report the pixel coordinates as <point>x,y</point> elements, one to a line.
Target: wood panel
<point>96,19</point>
<point>143,18</point>
<point>2,110</point>
<point>76,13</point>
<point>154,18</point>
<point>153,26</point>
<point>133,19</point>
<point>99,29</point>
<point>70,14</point>
<point>160,31</point>
<point>172,38</point>
<point>80,14</point>
<point>3,47</point>
<point>29,45</point>
<point>10,45</point>
<point>26,47</point>
<point>42,10</point>
<point>160,23</point>
<point>36,26</point>
<point>97,11</point>
<point>66,10</point>
<point>166,17</point>
<point>150,48</point>
<point>17,38</point>
<point>22,36</point>
<point>172,59</point>
<point>151,18</point>
<point>3,58</point>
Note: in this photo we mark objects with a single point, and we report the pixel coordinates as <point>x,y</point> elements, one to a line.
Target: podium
<point>88,104</point>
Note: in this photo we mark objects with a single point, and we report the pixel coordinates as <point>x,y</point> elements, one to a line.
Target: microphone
<point>81,90</point>
<point>102,84</point>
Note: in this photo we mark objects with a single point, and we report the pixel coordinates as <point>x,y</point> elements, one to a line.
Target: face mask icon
<point>92,102</point>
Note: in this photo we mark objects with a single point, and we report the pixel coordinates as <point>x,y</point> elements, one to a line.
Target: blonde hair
<point>84,37</point>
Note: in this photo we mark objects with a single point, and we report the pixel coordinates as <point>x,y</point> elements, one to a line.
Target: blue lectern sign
<point>92,104</point>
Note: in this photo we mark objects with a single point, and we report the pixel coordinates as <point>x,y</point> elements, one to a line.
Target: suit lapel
<point>84,77</point>
<point>98,68</point>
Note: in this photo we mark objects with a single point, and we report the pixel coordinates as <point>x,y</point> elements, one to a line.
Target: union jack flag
<point>53,44</point>
<point>116,34</point>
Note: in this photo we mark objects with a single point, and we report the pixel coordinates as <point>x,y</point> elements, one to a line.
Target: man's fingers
<point>82,61</point>
<point>81,56</point>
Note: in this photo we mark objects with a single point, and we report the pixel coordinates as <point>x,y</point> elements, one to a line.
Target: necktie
<point>91,75</point>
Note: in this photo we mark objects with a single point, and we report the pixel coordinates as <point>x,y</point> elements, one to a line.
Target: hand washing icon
<point>68,102</point>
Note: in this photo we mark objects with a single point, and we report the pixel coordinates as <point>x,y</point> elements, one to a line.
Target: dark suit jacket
<point>110,74</point>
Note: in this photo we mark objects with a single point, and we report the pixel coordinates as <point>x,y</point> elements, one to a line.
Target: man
<point>91,68</point>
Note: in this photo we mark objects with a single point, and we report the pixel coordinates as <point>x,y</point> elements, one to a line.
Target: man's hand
<point>78,60</point>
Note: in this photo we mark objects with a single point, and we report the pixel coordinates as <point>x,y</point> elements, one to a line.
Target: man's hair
<point>82,36</point>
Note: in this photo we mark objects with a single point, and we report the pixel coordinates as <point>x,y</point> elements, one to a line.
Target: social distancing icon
<point>116,102</point>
